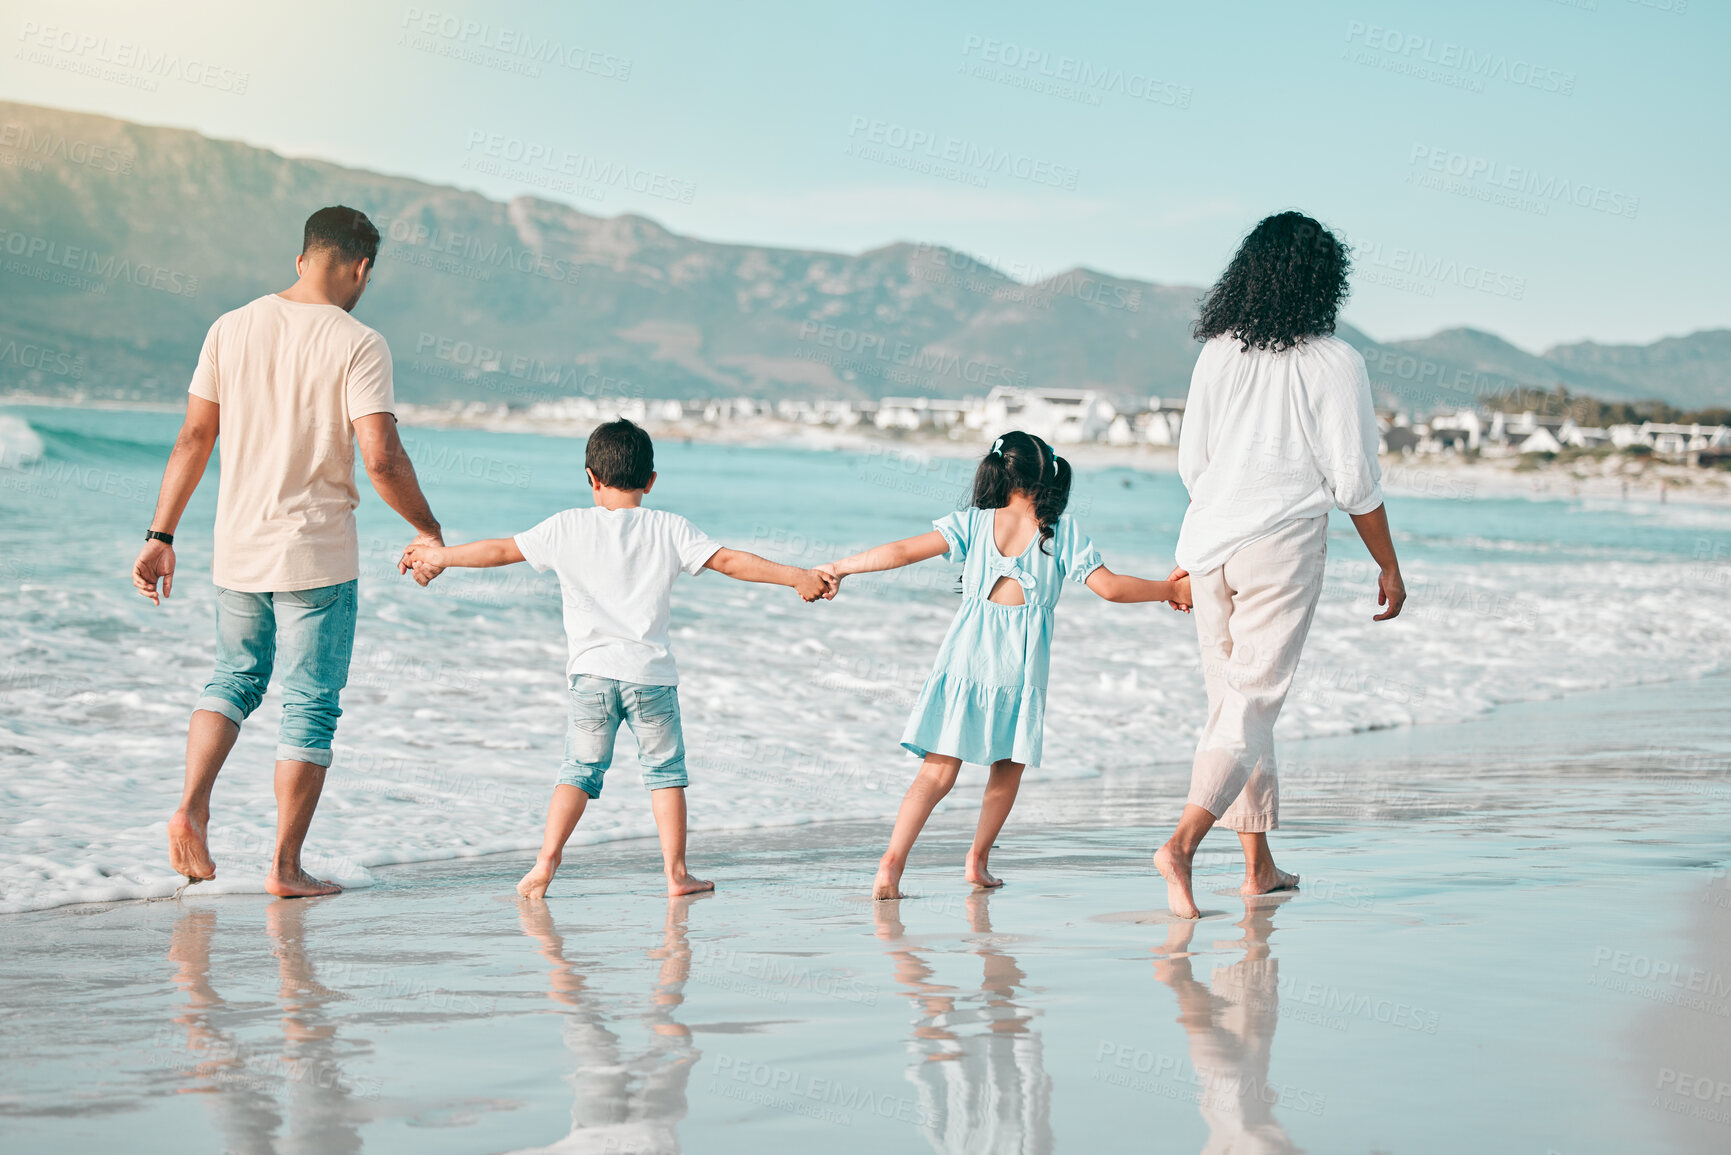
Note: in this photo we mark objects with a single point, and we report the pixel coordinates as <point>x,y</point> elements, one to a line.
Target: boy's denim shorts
<point>597,707</point>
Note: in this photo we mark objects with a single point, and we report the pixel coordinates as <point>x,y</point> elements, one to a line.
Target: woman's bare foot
<point>533,886</point>
<point>298,884</point>
<point>888,884</point>
<point>188,853</point>
<point>977,874</point>
<point>1175,869</point>
<point>1268,880</point>
<point>685,884</point>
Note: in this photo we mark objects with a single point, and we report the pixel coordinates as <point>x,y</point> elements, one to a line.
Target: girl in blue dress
<point>985,701</point>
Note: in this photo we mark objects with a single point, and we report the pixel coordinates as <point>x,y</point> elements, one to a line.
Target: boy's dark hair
<point>620,455</point>
<point>341,230</point>
<point>1021,461</point>
<point>1285,283</point>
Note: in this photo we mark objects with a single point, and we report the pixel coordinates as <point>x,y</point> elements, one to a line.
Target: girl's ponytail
<point>1021,461</point>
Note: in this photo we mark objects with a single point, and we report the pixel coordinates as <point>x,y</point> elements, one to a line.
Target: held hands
<point>1180,579</point>
<point>155,561</point>
<point>812,584</point>
<point>828,570</point>
<point>424,559</point>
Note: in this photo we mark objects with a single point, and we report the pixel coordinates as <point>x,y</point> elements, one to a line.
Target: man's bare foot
<point>1175,869</point>
<point>1268,881</point>
<point>977,874</point>
<point>685,884</point>
<point>188,852</point>
<point>888,884</point>
<point>299,884</point>
<point>533,886</point>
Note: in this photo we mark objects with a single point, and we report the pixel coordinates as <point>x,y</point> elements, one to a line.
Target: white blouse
<point>1271,438</point>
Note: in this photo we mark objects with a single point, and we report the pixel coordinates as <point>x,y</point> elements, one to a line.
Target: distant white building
<point>1061,416</point>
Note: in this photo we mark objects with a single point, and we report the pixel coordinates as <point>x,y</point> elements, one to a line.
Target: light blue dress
<point>986,697</point>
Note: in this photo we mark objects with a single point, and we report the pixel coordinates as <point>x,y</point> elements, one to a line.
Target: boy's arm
<point>809,584</point>
<point>1122,587</point>
<point>494,551</point>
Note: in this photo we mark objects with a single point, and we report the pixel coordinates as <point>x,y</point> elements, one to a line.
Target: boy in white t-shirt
<point>616,563</point>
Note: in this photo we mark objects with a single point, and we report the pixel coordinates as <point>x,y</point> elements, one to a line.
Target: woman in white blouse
<point>1278,430</point>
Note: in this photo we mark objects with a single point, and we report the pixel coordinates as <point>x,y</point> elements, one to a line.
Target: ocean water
<point>453,718</point>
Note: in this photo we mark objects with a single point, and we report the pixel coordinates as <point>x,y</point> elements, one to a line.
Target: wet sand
<point>1514,935</point>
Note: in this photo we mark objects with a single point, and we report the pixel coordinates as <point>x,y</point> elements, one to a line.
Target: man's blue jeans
<point>310,634</point>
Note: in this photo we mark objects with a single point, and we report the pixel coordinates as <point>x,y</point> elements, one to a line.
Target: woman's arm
<point>486,554</point>
<point>809,584</point>
<point>1121,587</point>
<point>892,556</point>
<point>1373,531</point>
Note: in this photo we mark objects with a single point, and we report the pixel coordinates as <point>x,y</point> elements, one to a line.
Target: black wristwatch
<point>158,535</point>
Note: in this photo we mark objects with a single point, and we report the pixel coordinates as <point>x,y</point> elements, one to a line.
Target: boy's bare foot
<point>1175,869</point>
<point>1268,881</point>
<point>685,884</point>
<point>188,852</point>
<point>298,884</point>
<point>533,886</point>
<point>977,874</point>
<point>888,884</point>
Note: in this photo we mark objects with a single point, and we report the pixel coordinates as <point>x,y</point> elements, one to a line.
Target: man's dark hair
<point>1285,283</point>
<point>344,231</point>
<point>620,455</point>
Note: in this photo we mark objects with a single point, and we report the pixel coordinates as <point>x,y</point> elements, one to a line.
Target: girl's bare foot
<point>888,884</point>
<point>533,886</point>
<point>1268,880</point>
<point>1175,869</point>
<point>188,852</point>
<point>977,874</point>
<point>298,884</point>
<point>685,884</point>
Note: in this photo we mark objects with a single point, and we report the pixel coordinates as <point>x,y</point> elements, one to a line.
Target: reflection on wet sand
<point>977,1063</point>
<point>1231,1032</point>
<point>621,1105</point>
<point>242,1087</point>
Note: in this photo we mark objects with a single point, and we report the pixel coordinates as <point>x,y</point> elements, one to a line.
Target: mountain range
<point>122,242</point>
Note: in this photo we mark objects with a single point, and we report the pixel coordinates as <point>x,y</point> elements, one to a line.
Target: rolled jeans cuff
<point>221,706</point>
<point>304,754</point>
<point>662,777</point>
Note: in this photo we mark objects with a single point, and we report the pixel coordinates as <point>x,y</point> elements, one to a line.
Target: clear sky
<point>1547,170</point>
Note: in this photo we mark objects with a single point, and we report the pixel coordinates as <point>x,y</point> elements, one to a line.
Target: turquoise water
<point>453,717</point>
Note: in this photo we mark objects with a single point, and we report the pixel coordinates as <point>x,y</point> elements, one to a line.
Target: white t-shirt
<point>616,569</point>
<point>290,378</point>
<point>1272,438</point>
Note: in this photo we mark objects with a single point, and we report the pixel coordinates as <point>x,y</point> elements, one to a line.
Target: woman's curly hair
<point>1285,283</point>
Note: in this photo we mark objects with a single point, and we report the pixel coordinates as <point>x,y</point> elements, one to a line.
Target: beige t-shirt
<point>290,377</point>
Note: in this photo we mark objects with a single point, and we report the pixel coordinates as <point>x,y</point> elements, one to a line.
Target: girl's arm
<point>476,555</point>
<point>809,584</point>
<point>1121,587</point>
<point>892,556</point>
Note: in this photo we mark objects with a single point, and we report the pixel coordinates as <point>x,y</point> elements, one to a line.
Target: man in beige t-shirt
<point>288,382</point>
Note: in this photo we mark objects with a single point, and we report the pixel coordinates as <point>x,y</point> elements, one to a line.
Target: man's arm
<point>1390,589</point>
<point>184,471</point>
<point>809,584</point>
<point>393,477</point>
